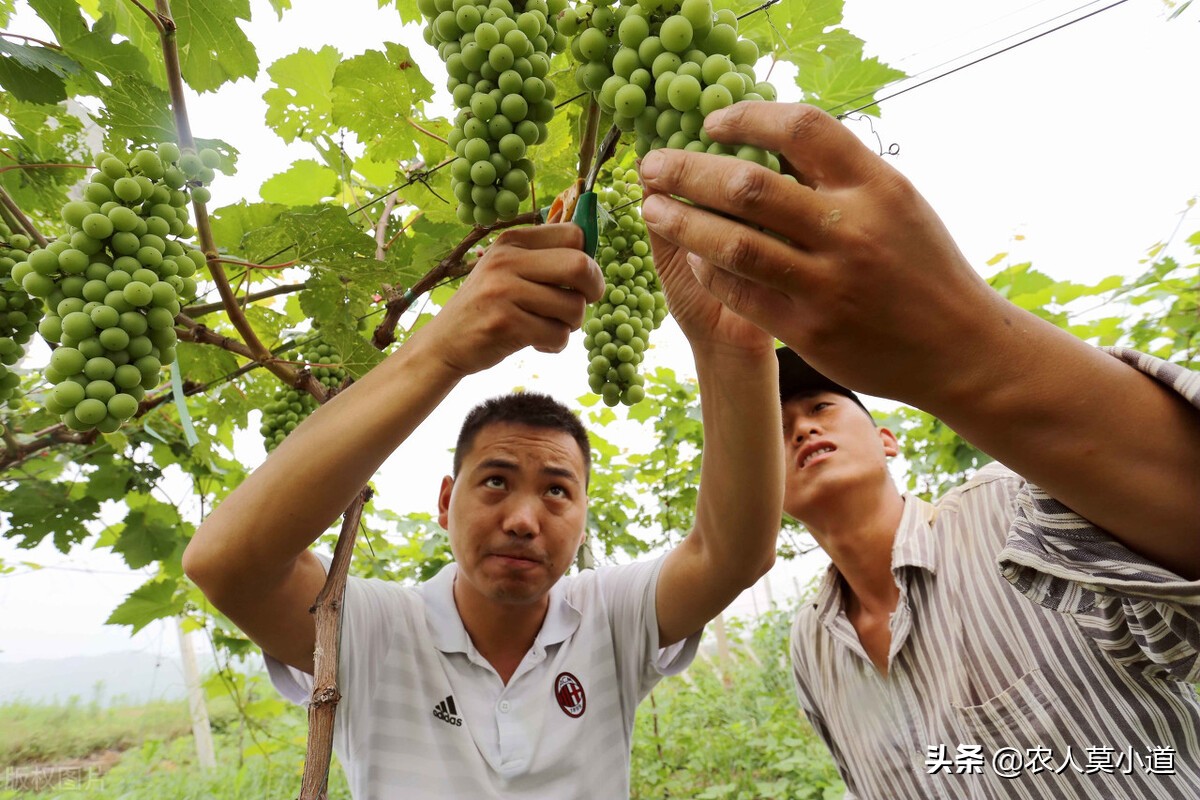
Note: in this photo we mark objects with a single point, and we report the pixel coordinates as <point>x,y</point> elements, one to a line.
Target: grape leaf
<point>330,301</point>
<point>301,102</point>
<point>112,481</point>
<point>840,78</point>
<point>227,153</point>
<point>432,194</point>
<point>428,241</point>
<point>30,84</point>
<point>358,355</point>
<point>373,92</point>
<point>137,111</point>
<point>213,49</point>
<point>407,9</point>
<point>203,363</point>
<point>37,508</point>
<point>153,600</point>
<point>832,70</point>
<point>150,532</point>
<point>128,21</point>
<point>231,224</point>
<point>268,324</point>
<point>378,173</point>
<point>305,183</point>
<point>93,49</point>
<point>38,58</point>
<point>44,134</point>
<point>557,159</point>
<point>319,235</point>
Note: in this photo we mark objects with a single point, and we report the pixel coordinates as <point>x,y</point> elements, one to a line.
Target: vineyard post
<point>723,657</point>
<point>201,728</point>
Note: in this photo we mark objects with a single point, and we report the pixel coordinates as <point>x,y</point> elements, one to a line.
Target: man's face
<point>831,447</point>
<point>516,513</point>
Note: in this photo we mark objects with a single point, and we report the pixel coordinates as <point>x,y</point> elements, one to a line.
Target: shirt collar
<point>450,635</point>
<point>912,547</point>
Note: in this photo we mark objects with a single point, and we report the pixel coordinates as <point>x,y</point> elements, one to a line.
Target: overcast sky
<point>1076,151</point>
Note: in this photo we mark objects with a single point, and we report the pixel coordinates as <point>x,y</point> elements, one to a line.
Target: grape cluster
<point>19,313</point>
<point>289,407</point>
<point>114,282</point>
<point>660,66</point>
<point>633,305</point>
<point>498,60</point>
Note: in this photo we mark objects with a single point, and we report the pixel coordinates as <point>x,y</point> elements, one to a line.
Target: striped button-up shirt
<point>1032,655</point>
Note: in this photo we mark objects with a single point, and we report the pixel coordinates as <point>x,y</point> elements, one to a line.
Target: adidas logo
<point>446,712</point>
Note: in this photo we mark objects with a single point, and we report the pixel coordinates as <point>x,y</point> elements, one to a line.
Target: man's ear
<point>444,501</point>
<point>891,445</point>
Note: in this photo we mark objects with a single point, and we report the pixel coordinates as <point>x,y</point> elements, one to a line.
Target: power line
<point>32,570</point>
<point>961,35</point>
<point>974,62</point>
<point>961,56</point>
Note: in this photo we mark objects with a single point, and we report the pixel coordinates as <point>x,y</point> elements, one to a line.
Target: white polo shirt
<point>424,715</point>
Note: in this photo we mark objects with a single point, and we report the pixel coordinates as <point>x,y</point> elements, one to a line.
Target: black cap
<point>796,377</point>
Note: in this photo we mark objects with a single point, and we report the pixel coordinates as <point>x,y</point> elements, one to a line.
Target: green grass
<point>732,731</point>
<point>158,769</point>
<point>263,759</point>
<point>48,734</point>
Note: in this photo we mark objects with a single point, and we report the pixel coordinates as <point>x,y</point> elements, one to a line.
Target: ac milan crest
<point>568,691</point>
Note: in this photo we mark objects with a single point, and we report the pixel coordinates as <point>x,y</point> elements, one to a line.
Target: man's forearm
<point>741,477</point>
<point>732,541</point>
<point>1108,441</point>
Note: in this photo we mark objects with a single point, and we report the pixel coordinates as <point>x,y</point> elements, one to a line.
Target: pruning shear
<point>578,201</point>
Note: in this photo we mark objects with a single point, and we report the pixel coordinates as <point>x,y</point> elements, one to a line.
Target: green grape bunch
<point>661,66</point>
<point>19,313</point>
<point>290,406</point>
<point>498,59</point>
<point>114,281</point>
<point>617,332</point>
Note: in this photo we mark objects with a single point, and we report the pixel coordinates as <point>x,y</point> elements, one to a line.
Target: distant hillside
<point>114,678</point>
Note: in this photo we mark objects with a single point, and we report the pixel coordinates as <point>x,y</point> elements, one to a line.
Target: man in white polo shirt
<point>500,678</point>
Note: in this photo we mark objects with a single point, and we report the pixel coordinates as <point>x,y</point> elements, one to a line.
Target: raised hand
<point>530,288</point>
<point>703,318</point>
<point>841,258</point>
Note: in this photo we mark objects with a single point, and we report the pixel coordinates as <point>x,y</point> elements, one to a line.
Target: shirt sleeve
<point>1141,614</point>
<point>366,634</point>
<point>629,596</point>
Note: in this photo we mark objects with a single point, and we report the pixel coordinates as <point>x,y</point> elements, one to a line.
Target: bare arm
<point>250,556</point>
<point>739,506</point>
<point>868,285</point>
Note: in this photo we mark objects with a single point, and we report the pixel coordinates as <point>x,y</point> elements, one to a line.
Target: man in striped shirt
<point>1036,632</point>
